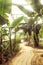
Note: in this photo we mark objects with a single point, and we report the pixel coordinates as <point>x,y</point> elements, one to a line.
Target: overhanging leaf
<point>27,12</point>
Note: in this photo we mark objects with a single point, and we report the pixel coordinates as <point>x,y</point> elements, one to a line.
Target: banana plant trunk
<point>36,40</point>
<point>29,39</point>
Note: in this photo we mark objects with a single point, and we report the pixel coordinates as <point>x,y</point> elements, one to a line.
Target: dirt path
<point>24,56</point>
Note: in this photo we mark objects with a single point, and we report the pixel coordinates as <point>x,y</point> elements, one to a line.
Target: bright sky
<point>21,2</point>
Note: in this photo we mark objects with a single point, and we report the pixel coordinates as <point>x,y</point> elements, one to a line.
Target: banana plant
<point>37,12</point>
<point>5,7</point>
<point>7,45</point>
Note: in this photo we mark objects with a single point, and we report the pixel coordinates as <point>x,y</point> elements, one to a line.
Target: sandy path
<point>24,56</point>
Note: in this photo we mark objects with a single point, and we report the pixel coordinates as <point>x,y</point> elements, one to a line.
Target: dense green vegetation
<point>9,46</point>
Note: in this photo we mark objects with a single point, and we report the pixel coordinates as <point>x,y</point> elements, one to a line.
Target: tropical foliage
<point>12,46</point>
<point>34,15</point>
<point>8,45</point>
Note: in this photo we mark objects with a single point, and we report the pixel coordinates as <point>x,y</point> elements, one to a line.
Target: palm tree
<point>34,15</point>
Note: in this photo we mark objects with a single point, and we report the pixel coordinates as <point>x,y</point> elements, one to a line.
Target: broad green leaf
<point>17,21</point>
<point>5,6</point>
<point>27,12</point>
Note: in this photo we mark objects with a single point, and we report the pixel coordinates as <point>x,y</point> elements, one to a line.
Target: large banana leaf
<point>5,6</point>
<point>17,21</point>
<point>27,12</point>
